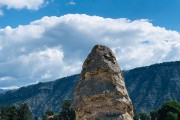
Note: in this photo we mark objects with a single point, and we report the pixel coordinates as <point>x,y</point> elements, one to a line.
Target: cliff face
<point>101,93</point>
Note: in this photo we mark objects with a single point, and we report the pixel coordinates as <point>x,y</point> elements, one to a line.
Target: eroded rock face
<point>101,93</point>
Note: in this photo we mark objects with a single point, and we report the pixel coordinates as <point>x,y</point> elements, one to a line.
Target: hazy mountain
<point>148,88</point>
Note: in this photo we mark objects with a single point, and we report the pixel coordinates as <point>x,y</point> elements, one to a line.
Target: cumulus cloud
<point>54,47</point>
<point>20,4</point>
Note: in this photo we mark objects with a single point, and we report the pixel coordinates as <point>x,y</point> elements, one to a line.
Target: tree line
<point>15,113</point>
<point>23,112</point>
<point>168,111</point>
<point>66,113</point>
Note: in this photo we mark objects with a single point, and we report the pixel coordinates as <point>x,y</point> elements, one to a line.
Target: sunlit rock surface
<point>101,92</point>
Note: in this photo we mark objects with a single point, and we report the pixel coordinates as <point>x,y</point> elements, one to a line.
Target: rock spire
<point>101,92</point>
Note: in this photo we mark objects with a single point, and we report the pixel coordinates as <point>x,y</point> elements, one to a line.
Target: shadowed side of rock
<point>101,93</point>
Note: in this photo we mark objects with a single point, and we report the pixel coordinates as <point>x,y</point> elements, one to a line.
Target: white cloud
<point>21,4</point>
<point>6,78</point>
<point>71,3</point>
<point>54,47</point>
<point>9,88</point>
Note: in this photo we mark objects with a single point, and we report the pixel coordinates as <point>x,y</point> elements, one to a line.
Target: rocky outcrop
<point>101,93</point>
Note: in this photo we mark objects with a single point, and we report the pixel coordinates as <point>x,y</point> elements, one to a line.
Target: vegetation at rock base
<point>169,111</point>
<point>50,115</point>
<point>141,116</point>
<point>15,113</point>
<point>66,113</point>
<point>23,112</point>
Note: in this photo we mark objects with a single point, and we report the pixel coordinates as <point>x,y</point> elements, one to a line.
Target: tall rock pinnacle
<point>101,93</point>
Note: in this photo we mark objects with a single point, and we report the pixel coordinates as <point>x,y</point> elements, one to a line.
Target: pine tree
<point>67,113</point>
<point>168,110</point>
<point>172,116</point>
<point>24,112</point>
<point>9,113</point>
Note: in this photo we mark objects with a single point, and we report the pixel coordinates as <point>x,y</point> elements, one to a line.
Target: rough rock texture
<point>101,93</point>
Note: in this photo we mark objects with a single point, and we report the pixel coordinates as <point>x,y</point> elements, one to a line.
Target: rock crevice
<point>101,93</point>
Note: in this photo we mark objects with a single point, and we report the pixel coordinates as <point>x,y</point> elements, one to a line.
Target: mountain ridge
<point>148,88</point>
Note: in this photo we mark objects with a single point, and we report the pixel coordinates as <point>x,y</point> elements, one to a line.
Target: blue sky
<point>42,40</point>
<point>164,13</point>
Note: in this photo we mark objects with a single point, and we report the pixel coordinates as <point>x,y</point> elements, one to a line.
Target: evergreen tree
<point>49,112</point>
<point>50,115</point>
<point>35,118</point>
<point>9,113</point>
<point>67,113</point>
<point>171,116</point>
<point>143,116</point>
<point>154,115</point>
<point>170,109</point>
<point>24,112</point>
<point>136,116</point>
<point>45,117</point>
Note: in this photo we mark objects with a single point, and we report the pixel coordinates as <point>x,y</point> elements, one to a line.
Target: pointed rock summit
<point>101,92</point>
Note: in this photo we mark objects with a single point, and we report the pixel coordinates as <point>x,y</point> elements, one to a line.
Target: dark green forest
<point>22,112</point>
<point>168,111</point>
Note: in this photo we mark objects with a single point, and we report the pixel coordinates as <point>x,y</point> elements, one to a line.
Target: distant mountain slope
<point>42,96</point>
<point>148,88</point>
